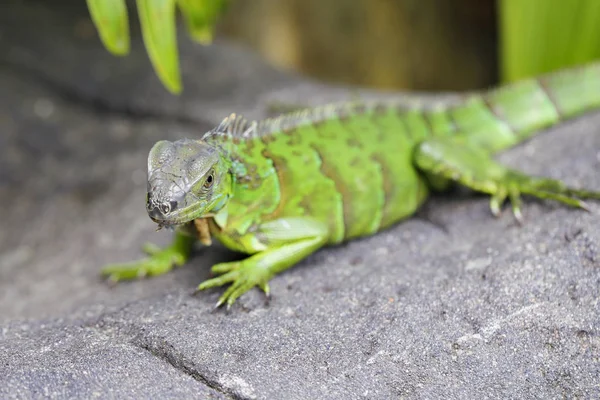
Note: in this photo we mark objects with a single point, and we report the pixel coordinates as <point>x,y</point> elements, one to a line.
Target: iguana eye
<point>209,181</point>
<point>165,208</point>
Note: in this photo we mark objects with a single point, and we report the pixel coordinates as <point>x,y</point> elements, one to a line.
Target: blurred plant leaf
<point>111,21</point>
<point>157,19</point>
<point>201,17</point>
<point>539,36</point>
<point>158,22</point>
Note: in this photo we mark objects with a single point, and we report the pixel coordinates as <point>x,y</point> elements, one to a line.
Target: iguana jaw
<point>194,211</point>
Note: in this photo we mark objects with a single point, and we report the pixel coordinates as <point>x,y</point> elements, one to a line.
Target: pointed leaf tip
<point>111,21</point>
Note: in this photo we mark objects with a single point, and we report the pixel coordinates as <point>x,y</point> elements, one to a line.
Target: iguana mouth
<point>171,225</point>
<point>183,217</point>
<point>161,225</point>
<point>198,226</point>
<point>168,224</point>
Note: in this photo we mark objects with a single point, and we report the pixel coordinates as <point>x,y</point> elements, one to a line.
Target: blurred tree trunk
<point>407,44</point>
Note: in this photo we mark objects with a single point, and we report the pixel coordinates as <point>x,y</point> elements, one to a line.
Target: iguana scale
<point>281,188</point>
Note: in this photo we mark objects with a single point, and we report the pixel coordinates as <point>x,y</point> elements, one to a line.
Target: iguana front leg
<point>280,243</point>
<point>160,261</point>
<point>451,158</point>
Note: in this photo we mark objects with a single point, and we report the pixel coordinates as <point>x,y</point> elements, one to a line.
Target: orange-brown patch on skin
<point>316,124</point>
<point>550,95</point>
<point>294,138</point>
<point>343,116</point>
<point>387,185</point>
<point>277,163</point>
<point>203,231</point>
<point>353,142</point>
<point>268,138</point>
<point>332,174</point>
<point>249,146</point>
<point>427,120</point>
<point>355,161</point>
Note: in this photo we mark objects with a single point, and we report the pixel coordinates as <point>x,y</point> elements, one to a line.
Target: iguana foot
<point>160,261</point>
<point>243,276</point>
<point>515,184</point>
<point>289,241</point>
<point>448,158</point>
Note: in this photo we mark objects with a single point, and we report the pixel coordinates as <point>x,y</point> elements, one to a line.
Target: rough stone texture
<point>449,304</point>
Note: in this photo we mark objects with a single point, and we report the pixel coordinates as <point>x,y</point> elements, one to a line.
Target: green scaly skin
<point>280,189</point>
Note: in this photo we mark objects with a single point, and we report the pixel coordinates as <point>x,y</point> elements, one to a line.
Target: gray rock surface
<point>449,304</point>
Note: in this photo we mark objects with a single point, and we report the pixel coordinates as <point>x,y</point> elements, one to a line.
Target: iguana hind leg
<point>473,167</point>
<point>286,242</point>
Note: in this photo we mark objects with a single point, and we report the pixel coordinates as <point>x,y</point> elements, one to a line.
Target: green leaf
<point>539,36</point>
<point>111,21</point>
<point>157,18</point>
<point>201,17</point>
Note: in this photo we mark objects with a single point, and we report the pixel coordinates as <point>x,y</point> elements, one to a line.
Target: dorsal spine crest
<point>237,126</point>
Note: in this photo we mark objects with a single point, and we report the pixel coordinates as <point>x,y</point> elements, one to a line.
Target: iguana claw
<point>243,276</point>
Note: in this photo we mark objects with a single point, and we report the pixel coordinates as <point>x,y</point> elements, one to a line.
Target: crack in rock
<point>231,386</point>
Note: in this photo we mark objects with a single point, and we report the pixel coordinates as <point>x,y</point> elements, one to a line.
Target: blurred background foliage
<point>539,36</point>
<point>423,45</point>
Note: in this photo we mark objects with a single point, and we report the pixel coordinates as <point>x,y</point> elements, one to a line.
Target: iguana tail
<point>507,115</point>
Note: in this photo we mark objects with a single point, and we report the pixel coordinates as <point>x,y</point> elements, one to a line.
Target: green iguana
<point>281,188</point>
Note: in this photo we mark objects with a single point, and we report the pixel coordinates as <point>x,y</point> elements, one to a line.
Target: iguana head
<point>187,179</point>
